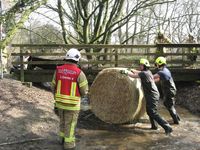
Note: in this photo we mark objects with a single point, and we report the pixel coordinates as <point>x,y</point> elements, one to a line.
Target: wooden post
<point>116,57</point>
<point>183,56</point>
<point>1,49</point>
<point>21,65</point>
<point>1,64</point>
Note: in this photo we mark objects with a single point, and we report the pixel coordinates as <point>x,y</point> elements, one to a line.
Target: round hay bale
<point>116,98</point>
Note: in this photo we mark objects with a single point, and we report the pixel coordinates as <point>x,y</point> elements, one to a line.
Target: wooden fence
<point>104,56</point>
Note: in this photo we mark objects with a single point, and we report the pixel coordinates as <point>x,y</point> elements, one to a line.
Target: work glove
<point>124,72</point>
<point>85,104</point>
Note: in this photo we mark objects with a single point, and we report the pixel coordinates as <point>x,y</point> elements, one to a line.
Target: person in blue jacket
<point>168,87</point>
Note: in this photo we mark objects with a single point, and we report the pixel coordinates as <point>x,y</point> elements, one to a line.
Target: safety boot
<point>61,140</point>
<point>154,128</point>
<point>168,129</point>
<point>174,116</point>
<point>69,146</point>
<point>178,117</point>
<point>154,125</point>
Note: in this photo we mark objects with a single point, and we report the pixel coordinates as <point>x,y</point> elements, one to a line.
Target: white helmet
<point>73,54</point>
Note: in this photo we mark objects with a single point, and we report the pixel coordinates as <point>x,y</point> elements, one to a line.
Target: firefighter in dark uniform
<point>168,87</point>
<point>151,94</point>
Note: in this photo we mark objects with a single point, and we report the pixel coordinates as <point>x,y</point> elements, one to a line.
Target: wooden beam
<point>47,75</point>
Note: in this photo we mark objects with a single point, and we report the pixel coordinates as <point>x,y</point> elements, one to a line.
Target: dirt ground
<point>28,122</point>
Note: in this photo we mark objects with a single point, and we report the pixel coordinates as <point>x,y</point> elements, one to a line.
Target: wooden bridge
<point>104,56</point>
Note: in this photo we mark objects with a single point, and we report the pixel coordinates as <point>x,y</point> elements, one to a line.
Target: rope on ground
<point>22,141</point>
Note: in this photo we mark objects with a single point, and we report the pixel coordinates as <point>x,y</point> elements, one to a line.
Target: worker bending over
<point>151,94</point>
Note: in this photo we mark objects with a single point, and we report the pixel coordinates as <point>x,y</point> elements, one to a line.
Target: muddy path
<point>27,122</point>
<point>139,137</point>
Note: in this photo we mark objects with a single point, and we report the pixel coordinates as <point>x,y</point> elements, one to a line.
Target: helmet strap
<point>71,61</point>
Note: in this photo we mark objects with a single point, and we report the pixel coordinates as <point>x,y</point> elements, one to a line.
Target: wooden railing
<point>115,56</point>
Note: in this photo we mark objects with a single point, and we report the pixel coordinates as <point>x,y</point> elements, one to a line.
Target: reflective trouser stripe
<point>71,137</point>
<point>68,121</point>
<point>62,134</point>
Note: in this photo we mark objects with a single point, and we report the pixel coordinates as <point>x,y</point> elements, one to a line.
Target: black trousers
<point>169,103</point>
<point>151,108</point>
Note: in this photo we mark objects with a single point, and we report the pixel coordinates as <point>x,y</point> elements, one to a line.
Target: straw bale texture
<point>116,98</point>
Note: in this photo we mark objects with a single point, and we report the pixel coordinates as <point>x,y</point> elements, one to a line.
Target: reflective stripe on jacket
<point>67,95</point>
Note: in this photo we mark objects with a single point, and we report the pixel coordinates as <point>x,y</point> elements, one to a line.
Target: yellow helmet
<point>161,61</point>
<point>144,62</point>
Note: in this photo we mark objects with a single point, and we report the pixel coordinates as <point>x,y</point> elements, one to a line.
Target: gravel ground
<point>188,96</point>
<point>26,115</point>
